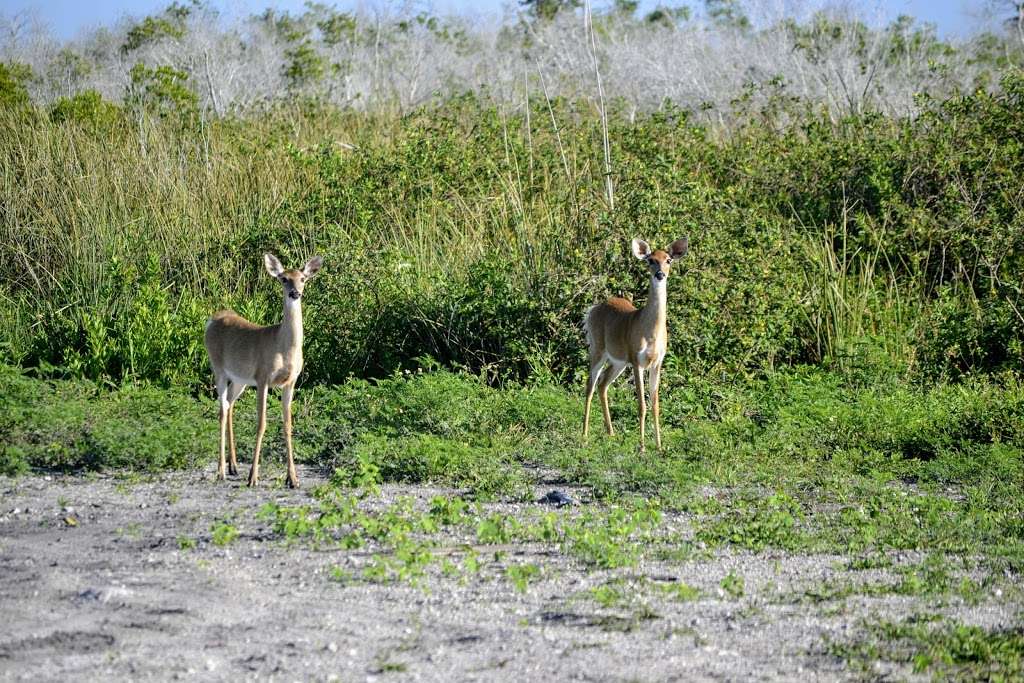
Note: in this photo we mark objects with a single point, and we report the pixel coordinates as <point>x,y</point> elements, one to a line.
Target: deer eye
<point>668,260</point>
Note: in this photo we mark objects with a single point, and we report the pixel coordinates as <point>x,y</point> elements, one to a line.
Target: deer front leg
<point>656,402</point>
<point>222,400</point>
<point>261,426</point>
<point>234,391</point>
<point>286,409</point>
<point>638,376</point>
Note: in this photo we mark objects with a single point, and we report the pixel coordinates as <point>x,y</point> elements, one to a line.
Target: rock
<point>104,594</point>
<point>557,498</point>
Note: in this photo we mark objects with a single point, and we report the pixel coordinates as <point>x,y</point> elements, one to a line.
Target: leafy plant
<point>733,585</point>
<point>223,533</point>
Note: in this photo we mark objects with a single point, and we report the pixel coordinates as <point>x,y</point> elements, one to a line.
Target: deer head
<point>659,262</point>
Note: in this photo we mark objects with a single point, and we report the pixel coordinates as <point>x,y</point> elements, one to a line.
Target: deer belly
<point>241,378</point>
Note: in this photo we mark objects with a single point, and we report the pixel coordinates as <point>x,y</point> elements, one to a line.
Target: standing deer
<point>620,335</point>
<point>243,354</point>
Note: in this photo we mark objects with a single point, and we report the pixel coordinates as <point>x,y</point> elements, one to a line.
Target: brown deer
<point>246,355</point>
<point>619,335</point>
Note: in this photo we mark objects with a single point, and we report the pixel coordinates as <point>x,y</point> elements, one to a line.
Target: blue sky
<point>68,17</point>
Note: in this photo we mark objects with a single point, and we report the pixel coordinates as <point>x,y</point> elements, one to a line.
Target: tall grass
<point>858,310</point>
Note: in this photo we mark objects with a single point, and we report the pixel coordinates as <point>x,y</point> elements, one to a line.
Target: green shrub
<point>13,94</point>
<point>71,425</point>
<point>87,108</point>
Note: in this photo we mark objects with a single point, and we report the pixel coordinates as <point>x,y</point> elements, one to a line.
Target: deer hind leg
<point>261,426</point>
<point>656,402</point>
<point>611,373</point>
<point>638,375</point>
<point>592,378</point>
<point>234,391</point>
<point>222,400</point>
<point>286,409</point>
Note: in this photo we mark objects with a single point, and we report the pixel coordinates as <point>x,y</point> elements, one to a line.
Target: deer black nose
<point>295,294</point>
<point>659,275</point>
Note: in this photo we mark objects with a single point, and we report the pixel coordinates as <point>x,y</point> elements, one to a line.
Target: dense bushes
<point>461,233</point>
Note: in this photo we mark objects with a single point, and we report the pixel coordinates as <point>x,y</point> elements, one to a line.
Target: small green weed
<point>522,574</point>
<point>733,585</point>
<point>609,594</point>
<point>133,531</point>
<point>946,650</point>
<point>680,591</point>
<point>223,533</point>
<point>756,523</point>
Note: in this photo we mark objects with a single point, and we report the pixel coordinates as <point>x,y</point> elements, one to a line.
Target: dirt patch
<point>119,577</point>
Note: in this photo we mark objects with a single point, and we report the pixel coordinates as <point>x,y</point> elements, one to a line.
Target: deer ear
<point>312,266</point>
<point>640,248</point>
<point>274,266</point>
<point>679,247</point>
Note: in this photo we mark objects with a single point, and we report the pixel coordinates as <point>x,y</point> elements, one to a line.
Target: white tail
<point>619,335</point>
<point>243,354</point>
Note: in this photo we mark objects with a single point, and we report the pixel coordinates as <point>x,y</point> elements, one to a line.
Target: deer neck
<point>290,332</point>
<point>652,317</point>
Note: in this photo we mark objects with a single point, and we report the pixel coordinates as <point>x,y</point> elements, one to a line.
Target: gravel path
<point>95,584</point>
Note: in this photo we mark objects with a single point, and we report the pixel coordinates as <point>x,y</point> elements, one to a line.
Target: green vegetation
<point>802,461</point>
<point>223,533</point>
<point>949,651</point>
<point>733,585</point>
<point>478,237</point>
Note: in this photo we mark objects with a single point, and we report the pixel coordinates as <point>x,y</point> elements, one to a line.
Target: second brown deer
<point>619,335</point>
<point>243,354</point>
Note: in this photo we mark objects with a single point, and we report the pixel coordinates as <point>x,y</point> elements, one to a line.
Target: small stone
<point>332,647</point>
<point>557,498</point>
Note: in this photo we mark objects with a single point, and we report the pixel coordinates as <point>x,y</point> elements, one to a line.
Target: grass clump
<point>946,650</point>
<point>77,424</point>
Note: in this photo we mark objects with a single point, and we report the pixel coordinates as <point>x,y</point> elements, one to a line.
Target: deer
<point>619,335</point>
<point>243,354</point>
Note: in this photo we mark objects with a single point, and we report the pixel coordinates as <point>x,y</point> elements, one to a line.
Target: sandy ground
<point>115,597</point>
